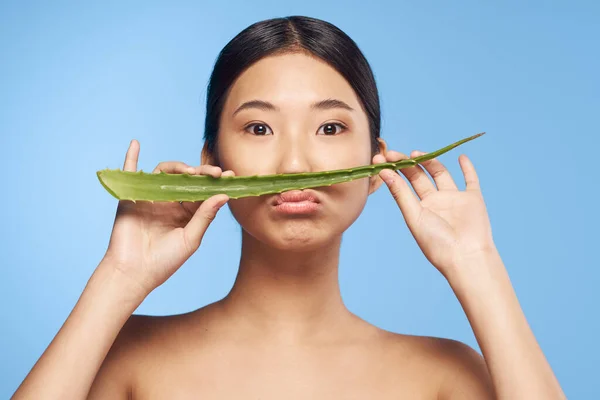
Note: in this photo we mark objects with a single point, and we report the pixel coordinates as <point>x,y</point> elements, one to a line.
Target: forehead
<point>291,79</point>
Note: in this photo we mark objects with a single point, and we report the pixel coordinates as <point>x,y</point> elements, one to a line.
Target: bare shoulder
<point>458,370</point>
<point>142,339</point>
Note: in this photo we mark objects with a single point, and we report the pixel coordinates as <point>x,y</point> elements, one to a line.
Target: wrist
<point>113,279</point>
<point>476,270</point>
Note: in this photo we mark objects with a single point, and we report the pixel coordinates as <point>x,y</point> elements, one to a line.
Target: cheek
<point>247,210</point>
<point>349,200</point>
<point>245,162</point>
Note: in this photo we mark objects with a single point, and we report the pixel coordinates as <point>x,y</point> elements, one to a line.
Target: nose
<point>293,154</point>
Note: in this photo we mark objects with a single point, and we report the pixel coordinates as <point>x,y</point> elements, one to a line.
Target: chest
<point>282,377</point>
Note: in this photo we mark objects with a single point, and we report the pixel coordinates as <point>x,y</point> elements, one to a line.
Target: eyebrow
<point>259,104</point>
<point>327,104</point>
<point>331,104</point>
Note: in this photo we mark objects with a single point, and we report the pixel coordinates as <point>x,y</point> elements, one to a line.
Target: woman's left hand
<point>449,225</point>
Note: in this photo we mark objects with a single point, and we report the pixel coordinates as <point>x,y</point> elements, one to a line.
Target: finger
<point>404,196</point>
<point>211,170</point>
<point>131,158</point>
<point>468,169</point>
<point>191,206</point>
<point>419,180</point>
<point>228,173</point>
<point>378,159</point>
<point>441,176</point>
<point>393,156</point>
<point>173,167</point>
<point>204,215</point>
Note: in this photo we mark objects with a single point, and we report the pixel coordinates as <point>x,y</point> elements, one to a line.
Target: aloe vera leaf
<point>142,186</point>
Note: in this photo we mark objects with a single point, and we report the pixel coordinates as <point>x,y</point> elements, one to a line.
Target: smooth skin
<point>283,332</point>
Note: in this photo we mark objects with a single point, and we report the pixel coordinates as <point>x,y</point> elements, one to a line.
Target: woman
<point>292,95</point>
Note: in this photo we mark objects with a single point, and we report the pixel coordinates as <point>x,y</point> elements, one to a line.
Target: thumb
<point>409,205</point>
<point>204,215</point>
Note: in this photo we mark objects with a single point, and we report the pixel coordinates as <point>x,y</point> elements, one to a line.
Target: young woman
<point>292,95</point>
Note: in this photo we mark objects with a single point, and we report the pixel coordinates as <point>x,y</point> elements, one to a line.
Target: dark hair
<point>286,35</point>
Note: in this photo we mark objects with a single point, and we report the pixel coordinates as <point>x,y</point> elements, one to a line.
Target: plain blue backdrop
<point>79,80</point>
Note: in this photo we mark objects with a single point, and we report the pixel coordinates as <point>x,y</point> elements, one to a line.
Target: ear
<point>206,157</point>
<point>375,181</point>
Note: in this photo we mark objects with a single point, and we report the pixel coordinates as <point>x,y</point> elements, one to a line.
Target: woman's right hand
<point>151,240</point>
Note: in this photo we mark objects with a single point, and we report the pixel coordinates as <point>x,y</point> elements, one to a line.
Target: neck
<point>291,295</point>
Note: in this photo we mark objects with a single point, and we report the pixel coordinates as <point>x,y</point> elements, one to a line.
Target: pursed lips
<point>296,202</point>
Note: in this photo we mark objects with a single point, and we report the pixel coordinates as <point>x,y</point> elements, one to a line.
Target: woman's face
<point>287,114</point>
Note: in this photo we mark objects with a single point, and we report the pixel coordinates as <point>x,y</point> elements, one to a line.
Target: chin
<point>296,235</point>
<point>301,239</point>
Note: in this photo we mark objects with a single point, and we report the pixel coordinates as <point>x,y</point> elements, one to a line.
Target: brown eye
<point>259,129</point>
<point>331,129</point>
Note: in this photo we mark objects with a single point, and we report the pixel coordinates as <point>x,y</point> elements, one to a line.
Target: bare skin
<point>283,331</point>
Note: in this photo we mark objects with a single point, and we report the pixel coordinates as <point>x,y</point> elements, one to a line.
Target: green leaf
<point>127,185</point>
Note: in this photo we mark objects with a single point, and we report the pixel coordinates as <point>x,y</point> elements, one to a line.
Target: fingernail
<point>191,170</point>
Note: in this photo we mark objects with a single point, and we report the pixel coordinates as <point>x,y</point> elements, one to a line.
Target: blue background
<point>79,81</point>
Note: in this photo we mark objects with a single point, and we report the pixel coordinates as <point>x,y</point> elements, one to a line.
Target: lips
<point>294,196</point>
<point>296,202</point>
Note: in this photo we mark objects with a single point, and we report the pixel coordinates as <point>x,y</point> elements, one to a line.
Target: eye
<point>258,129</point>
<point>331,129</point>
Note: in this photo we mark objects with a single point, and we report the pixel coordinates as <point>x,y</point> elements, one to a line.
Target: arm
<point>452,229</point>
<point>68,366</point>
<point>149,242</point>
<point>514,359</point>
